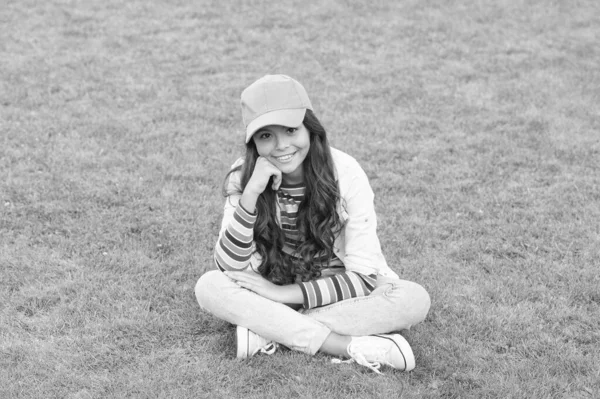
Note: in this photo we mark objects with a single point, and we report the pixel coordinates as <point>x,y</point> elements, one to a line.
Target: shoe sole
<point>404,348</point>
<point>243,343</point>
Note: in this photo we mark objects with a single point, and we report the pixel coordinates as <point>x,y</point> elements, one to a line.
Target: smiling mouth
<point>285,158</point>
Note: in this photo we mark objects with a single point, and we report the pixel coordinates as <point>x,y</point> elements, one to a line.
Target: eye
<point>264,135</point>
<point>292,130</point>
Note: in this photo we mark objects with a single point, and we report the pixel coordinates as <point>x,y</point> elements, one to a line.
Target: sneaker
<point>249,344</point>
<point>373,351</point>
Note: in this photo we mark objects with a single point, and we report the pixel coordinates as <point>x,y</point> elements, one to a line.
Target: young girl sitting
<point>298,257</point>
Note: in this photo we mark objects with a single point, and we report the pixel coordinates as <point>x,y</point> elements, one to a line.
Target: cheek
<point>304,151</point>
<point>263,149</point>
<point>304,141</point>
<point>307,143</point>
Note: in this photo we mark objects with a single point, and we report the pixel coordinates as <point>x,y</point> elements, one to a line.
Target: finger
<point>240,276</point>
<point>233,275</point>
<point>264,162</point>
<point>249,285</point>
<point>276,180</point>
<point>245,285</point>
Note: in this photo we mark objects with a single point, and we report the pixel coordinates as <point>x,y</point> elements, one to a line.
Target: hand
<point>263,170</point>
<point>256,283</point>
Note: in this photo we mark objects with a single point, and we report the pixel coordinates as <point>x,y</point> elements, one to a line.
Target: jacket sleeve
<point>362,247</point>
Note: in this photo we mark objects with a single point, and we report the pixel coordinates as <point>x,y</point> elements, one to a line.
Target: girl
<point>299,262</point>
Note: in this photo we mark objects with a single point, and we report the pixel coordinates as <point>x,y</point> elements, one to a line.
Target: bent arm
<point>234,247</point>
<point>339,287</point>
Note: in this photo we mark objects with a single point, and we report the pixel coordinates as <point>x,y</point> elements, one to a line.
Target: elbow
<point>217,264</point>
<point>225,267</point>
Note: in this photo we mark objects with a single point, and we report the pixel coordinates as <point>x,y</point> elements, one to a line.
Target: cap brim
<point>282,117</point>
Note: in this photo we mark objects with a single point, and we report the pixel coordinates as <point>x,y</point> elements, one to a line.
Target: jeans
<point>394,305</point>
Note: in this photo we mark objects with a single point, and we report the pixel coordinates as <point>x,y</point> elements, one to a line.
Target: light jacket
<point>357,245</point>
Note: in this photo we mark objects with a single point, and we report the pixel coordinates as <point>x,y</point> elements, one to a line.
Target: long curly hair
<point>317,221</point>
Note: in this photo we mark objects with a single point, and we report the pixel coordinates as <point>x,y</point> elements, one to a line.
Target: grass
<point>477,123</point>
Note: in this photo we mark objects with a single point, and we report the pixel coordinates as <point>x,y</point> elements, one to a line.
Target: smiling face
<point>286,148</point>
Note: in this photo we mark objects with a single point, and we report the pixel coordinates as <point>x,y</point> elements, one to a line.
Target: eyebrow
<point>266,129</point>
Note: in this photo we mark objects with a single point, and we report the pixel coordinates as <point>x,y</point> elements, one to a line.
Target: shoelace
<point>360,359</point>
<point>268,349</point>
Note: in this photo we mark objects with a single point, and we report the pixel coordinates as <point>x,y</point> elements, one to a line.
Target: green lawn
<point>478,123</point>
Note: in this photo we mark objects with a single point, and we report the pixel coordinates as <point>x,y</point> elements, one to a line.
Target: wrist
<point>291,294</point>
<point>248,201</point>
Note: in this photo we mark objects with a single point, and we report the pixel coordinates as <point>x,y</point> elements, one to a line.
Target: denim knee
<point>422,303</point>
<point>209,284</point>
<point>412,302</point>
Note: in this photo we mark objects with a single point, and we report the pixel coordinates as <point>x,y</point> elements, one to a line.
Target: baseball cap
<point>273,100</point>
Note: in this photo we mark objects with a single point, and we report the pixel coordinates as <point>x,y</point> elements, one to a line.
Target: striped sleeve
<point>234,247</point>
<point>331,289</point>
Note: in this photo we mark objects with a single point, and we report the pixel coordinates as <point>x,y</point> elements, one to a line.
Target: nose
<point>282,142</point>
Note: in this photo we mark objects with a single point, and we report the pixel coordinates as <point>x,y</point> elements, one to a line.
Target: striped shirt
<point>289,198</point>
<point>235,246</point>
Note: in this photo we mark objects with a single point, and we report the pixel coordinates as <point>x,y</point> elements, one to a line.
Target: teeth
<point>285,157</point>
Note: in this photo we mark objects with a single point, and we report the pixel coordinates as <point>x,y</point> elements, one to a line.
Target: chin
<point>288,170</point>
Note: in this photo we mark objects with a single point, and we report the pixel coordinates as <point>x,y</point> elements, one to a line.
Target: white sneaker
<point>373,351</point>
<point>249,344</point>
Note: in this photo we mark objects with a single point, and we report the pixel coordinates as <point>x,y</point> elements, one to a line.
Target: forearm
<point>248,200</point>
<point>291,294</point>
<point>287,294</point>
